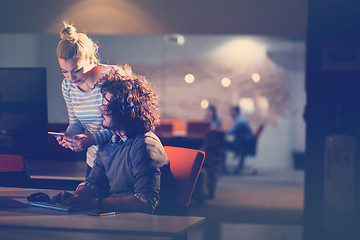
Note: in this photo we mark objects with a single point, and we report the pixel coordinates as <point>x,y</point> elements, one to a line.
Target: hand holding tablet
<point>56,133</point>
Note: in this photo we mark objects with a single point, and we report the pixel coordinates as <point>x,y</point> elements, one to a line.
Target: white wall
<point>19,50</point>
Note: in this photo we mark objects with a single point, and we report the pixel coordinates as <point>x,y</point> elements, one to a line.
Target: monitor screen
<point>23,111</point>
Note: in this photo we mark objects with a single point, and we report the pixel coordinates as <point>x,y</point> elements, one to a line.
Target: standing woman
<point>78,59</point>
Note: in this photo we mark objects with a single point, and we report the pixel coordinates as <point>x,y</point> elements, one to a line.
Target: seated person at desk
<point>211,115</point>
<point>132,170</point>
<point>238,137</point>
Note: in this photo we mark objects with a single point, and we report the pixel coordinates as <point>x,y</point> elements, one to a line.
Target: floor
<point>265,206</point>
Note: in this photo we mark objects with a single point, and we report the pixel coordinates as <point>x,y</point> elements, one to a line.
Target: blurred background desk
<point>55,174</point>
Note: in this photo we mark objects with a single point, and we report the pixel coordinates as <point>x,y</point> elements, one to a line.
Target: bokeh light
<point>189,78</point>
<point>255,77</point>
<point>204,103</point>
<point>225,82</point>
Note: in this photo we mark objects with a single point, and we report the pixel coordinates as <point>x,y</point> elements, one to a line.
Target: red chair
<point>259,130</point>
<point>185,164</point>
<point>12,171</point>
<point>11,163</point>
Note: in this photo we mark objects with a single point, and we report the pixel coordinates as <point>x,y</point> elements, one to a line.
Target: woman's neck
<point>92,78</point>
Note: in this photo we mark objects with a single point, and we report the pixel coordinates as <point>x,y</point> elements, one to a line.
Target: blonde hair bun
<point>76,45</point>
<point>68,33</point>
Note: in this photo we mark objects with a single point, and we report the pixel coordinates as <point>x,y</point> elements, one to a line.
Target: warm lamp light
<point>189,78</point>
<point>247,105</point>
<point>226,82</point>
<point>204,104</point>
<point>244,50</point>
<point>255,77</point>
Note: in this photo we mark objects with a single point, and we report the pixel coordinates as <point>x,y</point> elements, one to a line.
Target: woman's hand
<point>62,140</point>
<point>80,142</point>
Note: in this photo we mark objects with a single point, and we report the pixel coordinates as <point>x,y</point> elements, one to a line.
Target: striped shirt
<point>83,114</point>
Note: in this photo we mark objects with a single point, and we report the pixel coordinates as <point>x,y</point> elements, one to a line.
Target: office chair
<point>251,149</point>
<point>185,164</point>
<point>12,171</point>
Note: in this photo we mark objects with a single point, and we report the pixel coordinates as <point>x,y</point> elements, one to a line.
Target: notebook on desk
<point>8,202</point>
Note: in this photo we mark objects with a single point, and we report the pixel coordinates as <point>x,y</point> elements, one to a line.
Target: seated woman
<point>211,115</point>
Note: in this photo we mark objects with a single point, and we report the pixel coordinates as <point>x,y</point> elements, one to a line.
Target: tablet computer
<point>56,133</point>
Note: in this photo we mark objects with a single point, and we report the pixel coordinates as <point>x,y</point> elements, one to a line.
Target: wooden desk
<point>29,234</point>
<point>52,222</point>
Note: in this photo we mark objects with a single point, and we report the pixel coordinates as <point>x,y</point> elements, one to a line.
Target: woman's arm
<point>75,126</point>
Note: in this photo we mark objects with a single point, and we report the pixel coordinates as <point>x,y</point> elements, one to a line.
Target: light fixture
<point>204,104</point>
<point>255,77</point>
<point>177,38</point>
<point>225,82</point>
<point>189,78</point>
<point>245,50</point>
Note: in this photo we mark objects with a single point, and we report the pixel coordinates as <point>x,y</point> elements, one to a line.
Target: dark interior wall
<point>333,97</point>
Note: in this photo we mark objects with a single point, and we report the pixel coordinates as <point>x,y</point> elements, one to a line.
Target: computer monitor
<point>23,111</point>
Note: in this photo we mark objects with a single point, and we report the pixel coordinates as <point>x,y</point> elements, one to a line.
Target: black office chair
<point>249,148</point>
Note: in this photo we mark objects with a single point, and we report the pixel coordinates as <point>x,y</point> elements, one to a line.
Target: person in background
<point>79,62</point>
<point>211,115</point>
<point>132,170</point>
<point>213,146</point>
<point>238,137</point>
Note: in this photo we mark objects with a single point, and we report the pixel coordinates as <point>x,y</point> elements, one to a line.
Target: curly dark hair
<point>133,107</point>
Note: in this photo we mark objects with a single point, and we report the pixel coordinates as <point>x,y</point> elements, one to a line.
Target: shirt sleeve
<point>75,126</point>
<point>232,130</point>
<point>97,179</point>
<point>103,136</point>
<point>148,156</point>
